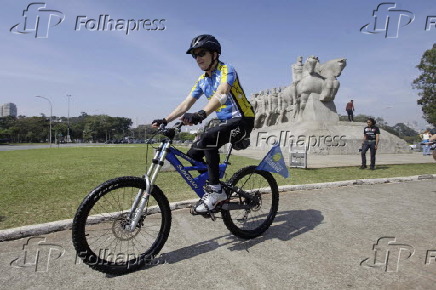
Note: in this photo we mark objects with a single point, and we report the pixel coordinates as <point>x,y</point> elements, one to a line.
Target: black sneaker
<point>362,167</point>
<point>372,168</point>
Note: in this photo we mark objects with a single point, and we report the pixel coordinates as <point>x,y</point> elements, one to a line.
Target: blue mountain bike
<point>123,223</point>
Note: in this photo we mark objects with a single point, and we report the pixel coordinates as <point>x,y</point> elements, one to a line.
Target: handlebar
<point>178,125</point>
<point>170,132</point>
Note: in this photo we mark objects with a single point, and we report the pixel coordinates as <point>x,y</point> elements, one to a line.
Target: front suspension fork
<point>141,200</point>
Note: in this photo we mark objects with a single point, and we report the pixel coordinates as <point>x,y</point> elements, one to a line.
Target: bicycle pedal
<point>193,212</point>
<point>206,215</point>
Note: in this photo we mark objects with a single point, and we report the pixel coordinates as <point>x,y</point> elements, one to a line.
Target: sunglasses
<point>199,54</point>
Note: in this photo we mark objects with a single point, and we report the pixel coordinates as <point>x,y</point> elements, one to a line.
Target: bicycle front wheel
<point>252,222</point>
<point>99,231</point>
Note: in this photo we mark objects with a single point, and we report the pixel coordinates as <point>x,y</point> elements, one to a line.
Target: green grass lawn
<point>44,185</point>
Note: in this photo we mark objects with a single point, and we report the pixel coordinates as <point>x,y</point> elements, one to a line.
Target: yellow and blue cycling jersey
<point>237,104</point>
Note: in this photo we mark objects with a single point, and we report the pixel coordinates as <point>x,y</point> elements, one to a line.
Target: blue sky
<point>145,74</point>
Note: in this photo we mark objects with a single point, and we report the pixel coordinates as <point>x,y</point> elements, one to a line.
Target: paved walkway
<point>378,236</point>
<point>320,161</point>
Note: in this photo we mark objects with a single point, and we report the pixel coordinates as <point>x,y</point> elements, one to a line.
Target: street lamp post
<point>68,120</point>
<point>51,114</point>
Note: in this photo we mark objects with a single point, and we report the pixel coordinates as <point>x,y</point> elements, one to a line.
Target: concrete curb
<point>41,229</point>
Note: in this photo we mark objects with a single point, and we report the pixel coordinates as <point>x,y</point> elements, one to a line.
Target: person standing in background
<point>425,142</point>
<point>371,135</point>
<point>350,110</point>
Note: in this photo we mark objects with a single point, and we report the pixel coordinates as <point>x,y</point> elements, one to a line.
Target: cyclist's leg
<point>195,153</point>
<point>211,141</point>
<point>227,132</point>
<point>213,161</point>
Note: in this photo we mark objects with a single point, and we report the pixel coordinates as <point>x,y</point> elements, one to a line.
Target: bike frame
<point>171,154</point>
<point>166,152</point>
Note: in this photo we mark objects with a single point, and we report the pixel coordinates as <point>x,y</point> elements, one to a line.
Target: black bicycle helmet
<point>205,41</point>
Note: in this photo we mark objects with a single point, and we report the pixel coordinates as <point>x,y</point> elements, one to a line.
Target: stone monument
<point>304,114</point>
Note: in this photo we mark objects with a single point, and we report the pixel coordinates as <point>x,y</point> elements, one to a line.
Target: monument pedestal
<point>323,138</point>
<point>317,111</point>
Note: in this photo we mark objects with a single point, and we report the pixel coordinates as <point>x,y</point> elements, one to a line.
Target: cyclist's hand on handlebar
<point>156,123</point>
<point>193,118</point>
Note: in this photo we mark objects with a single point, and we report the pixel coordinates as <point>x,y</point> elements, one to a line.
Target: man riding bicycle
<point>220,84</point>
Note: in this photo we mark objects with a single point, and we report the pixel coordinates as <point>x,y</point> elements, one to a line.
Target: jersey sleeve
<point>196,91</point>
<point>228,74</point>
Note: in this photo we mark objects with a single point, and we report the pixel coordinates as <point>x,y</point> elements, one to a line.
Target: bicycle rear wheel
<point>252,222</point>
<point>99,234</point>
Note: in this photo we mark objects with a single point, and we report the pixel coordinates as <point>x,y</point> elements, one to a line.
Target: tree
<point>406,133</point>
<point>426,83</point>
<point>60,131</point>
<point>96,128</point>
<point>143,131</point>
<point>32,129</point>
<point>404,130</point>
<point>185,136</point>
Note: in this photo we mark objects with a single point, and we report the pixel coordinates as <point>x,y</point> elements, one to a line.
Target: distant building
<point>8,109</point>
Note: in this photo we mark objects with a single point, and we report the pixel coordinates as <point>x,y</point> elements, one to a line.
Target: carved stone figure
<point>309,66</point>
<point>252,100</point>
<point>273,108</point>
<point>284,108</point>
<point>297,69</point>
<point>317,79</point>
<point>330,71</point>
<point>260,107</point>
<point>286,104</point>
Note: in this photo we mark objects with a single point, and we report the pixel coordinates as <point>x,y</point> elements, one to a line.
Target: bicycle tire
<point>248,224</point>
<point>98,234</point>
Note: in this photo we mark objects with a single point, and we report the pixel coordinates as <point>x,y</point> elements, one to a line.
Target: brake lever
<point>178,126</point>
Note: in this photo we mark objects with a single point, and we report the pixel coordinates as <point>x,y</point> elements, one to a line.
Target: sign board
<point>298,156</point>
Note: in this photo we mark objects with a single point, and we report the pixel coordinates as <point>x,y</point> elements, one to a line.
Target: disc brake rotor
<point>119,226</point>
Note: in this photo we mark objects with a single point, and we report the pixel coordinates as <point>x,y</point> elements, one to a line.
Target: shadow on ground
<point>286,225</point>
